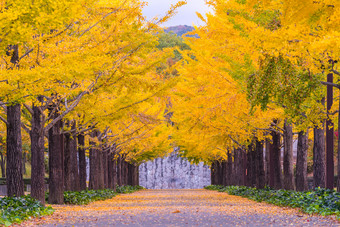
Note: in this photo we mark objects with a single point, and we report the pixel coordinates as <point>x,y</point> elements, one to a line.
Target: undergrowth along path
<point>179,208</point>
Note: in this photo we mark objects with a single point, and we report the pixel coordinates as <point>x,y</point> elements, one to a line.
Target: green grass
<point>88,196</point>
<point>18,209</point>
<point>320,201</point>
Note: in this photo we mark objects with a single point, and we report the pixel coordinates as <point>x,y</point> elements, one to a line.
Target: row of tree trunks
<point>252,169</point>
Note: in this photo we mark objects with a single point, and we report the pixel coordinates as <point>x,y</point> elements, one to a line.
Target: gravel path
<point>179,208</point>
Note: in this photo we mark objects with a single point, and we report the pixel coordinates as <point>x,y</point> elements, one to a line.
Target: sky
<point>186,14</point>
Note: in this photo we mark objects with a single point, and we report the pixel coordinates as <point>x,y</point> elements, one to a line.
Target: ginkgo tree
<point>268,50</point>
<point>52,62</point>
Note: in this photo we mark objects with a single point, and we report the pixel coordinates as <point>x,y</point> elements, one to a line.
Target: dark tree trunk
<point>100,166</point>
<point>236,172</point>
<point>94,170</point>
<point>130,174</point>
<point>219,173</point>
<point>15,184</point>
<point>301,162</point>
<point>109,171</point>
<point>3,165</point>
<point>229,169</point>
<point>238,167</point>
<point>267,162</point>
<point>124,172</point>
<point>224,172</point>
<point>82,162</point>
<point>288,169</point>
<point>71,163</point>
<point>329,137</point>
<point>244,169</point>
<point>24,163</point>
<point>105,169</point>
<point>67,163</point>
<point>275,162</point>
<point>251,166</point>
<point>135,175</point>
<point>319,168</point>
<point>338,181</point>
<point>260,175</point>
<point>212,173</point>
<point>119,170</point>
<point>56,166</point>
<point>114,171</point>
<point>37,156</point>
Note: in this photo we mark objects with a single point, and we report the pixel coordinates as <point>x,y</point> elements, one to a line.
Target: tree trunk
<point>119,170</point>
<point>239,167</point>
<point>124,172</point>
<point>319,168</point>
<point>224,172</point>
<point>135,175</point>
<point>56,166</point>
<point>82,162</point>
<point>275,162</point>
<point>229,171</point>
<point>288,169</point>
<point>37,156</point>
<point>301,162</point>
<point>267,162</point>
<point>130,174</point>
<point>260,175</point>
<point>94,170</point>
<point>71,162</point>
<point>212,173</point>
<point>110,165</point>
<point>251,165</point>
<point>14,180</point>
<point>338,181</point>
<point>3,165</point>
<point>105,168</point>
<point>67,163</point>
<point>24,163</point>
<point>114,172</point>
<point>100,166</point>
<point>244,169</point>
<point>329,138</point>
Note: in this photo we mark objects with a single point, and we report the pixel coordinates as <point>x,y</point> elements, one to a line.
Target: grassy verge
<point>320,201</point>
<point>18,209</point>
<point>88,196</point>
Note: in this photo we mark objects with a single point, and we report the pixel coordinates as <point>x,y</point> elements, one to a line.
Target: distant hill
<point>180,29</point>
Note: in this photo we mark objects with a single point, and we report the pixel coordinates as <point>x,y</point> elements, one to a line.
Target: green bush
<point>18,209</point>
<point>321,201</point>
<point>128,189</point>
<point>87,196</point>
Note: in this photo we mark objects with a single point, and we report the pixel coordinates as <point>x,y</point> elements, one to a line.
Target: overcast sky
<point>186,14</point>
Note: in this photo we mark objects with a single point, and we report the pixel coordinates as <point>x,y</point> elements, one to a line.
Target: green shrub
<point>321,201</point>
<point>18,209</point>
<point>128,189</point>
<point>87,196</point>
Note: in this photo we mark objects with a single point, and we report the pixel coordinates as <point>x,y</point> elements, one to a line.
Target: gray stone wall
<point>173,172</point>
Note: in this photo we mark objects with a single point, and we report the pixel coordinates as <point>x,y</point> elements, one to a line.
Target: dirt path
<point>179,208</point>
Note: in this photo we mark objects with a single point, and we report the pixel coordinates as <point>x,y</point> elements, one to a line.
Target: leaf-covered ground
<point>179,208</point>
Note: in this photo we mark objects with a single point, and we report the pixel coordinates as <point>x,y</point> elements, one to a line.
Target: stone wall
<point>173,172</point>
